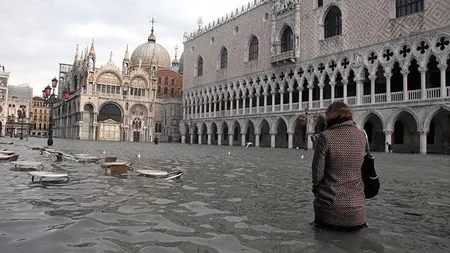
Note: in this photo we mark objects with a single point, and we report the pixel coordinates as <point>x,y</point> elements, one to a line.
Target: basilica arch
<point>109,119</point>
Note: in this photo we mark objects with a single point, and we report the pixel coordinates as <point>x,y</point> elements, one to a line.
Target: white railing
<point>351,100</point>
<point>305,105</point>
<point>286,107</point>
<point>277,108</point>
<point>380,98</point>
<point>316,104</point>
<point>397,96</point>
<point>414,94</point>
<point>367,99</point>
<point>434,93</point>
<point>326,103</point>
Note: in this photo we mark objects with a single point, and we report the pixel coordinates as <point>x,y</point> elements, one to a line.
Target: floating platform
<point>27,165</point>
<point>160,174</point>
<point>55,176</point>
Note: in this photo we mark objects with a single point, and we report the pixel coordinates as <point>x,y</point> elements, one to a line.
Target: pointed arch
<point>223,58</point>
<point>396,114</point>
<point>253,48</point>
<point>430,115</point>
<point>332,22</point>
<point>276,122</point>
<point>287,39</point>
<point>199,70</point>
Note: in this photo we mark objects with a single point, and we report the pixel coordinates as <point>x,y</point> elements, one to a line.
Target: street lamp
<point>50,98</point>
<point>307,120</point>
<point>22,114</point>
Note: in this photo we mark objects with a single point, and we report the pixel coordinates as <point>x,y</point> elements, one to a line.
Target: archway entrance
<point>236,140</point>
<point>109,119</point>
<point>214,135</point>
<point>405,138</point>
<point>281,138</point>
<point>299,134</point>
<point>374,130</point>
<point>250,136</point>
<point>265,134</point>
<point>438,137</point>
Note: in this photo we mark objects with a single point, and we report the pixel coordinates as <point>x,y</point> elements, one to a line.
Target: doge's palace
<point>266,71</point>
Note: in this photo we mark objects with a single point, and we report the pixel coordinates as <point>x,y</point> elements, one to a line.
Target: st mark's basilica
<point>137,102</point>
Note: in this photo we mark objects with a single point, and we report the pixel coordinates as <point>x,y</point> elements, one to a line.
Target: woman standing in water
<point>336,172</point>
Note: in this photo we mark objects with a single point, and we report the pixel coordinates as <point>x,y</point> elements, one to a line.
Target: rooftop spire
<point>152,37</point>
<point>127,56</point>
<point>92,51</point>
<point>77,56</point>
<point>176,51</point>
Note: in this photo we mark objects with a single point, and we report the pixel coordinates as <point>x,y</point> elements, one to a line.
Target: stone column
<point>273,101</point>
<point>272,139</point>
<point>423,142</point>
<point>443,68</point>
<point>184,112</point>
<point>388,76</point>
<point>388,139</point>
<point>372,88</point>
<point>290,98</point>
<point>257,135</point>
<point>220,107</point>
<point>423,88</point>
<point>333,90</point>
<point>210,110</point>
<point>226,105</point>
<point>405,85</point>
<point>231,107</point>
<point>237,105</point>
<point>230,139</point>
<point>209,138</point>
<point>345,83</point>
<point>243,104</point>
<point>219,139</point>
<point>204,109</point>
<point>310,91</point>
<point>191,139</point>
<point>215,108</point>
<point>321,95</point>
<point>251,103</point>
<point>290,140</point>
<point>265,102</point>
<point>200,137</point>
<point>243,141</point>
<point>183,138</point>
<point>257,103</point>
<point>300,98</point>
<point>281,100</point>
<point>359,91</point>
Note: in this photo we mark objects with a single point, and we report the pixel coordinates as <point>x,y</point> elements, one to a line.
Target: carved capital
<point>405,72</point>
<point>443,67</point>
<point>273,132</point>
<point>423,70</point>
<point>387,132</point>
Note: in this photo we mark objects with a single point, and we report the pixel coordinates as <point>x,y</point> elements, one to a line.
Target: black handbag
<point>369,175</point>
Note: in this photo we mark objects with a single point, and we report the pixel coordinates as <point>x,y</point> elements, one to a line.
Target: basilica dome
<point>150,54</point>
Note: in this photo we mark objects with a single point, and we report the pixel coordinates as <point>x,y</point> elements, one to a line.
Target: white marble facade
<point>392,68</point>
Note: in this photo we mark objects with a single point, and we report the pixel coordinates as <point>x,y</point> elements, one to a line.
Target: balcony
<point>283,58</point>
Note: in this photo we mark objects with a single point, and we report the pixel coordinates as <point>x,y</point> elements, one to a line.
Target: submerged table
<point>46,174</point>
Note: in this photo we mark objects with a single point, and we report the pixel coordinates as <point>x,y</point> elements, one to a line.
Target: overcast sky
<point>37,35</point>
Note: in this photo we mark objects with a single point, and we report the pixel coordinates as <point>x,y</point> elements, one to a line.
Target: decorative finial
<point>92,51</point>
<point>110,56</point>
<point>76,53</point>
<point>200,23</point>
<point>176,50</point>
<point>153,23</point>
<point>152,37</point>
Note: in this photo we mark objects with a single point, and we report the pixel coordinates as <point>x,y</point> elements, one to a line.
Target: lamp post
<point>22,114</point>
<point>307,119</point>
<point>50,98</point>
<point>11,122</point>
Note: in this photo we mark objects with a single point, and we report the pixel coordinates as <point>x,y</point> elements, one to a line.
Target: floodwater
<point>230,199</point>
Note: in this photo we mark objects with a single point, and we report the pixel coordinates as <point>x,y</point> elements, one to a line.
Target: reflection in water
<point>252,200</point>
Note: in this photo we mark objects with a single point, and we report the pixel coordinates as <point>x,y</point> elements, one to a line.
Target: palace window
<point>166,80</point>
<point>287,40</point>
<point>224,58</point>
<point>406,7</point>
<point>200,66</point>
<point>254,48</point>
<point>333,22</point>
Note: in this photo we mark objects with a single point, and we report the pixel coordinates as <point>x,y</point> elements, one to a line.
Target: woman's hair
<point>338,110</point>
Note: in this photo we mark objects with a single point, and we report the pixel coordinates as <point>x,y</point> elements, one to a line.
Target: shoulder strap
<point>367,143</point>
